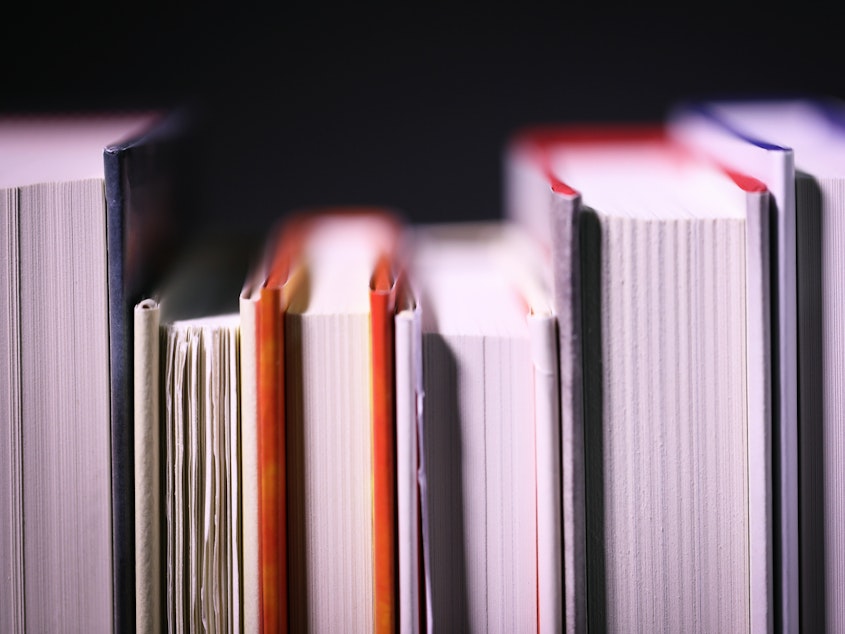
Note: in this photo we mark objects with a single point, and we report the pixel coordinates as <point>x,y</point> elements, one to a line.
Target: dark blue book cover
<point>151,200</point>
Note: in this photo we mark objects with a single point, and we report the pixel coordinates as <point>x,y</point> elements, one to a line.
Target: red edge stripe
<point>746,183</point>
<point>548,135</point>
<point>541,139</point>
<point>558,186</point>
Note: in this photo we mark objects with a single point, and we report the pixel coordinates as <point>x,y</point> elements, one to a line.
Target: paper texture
<point>66,457</point>
<point>11,423</point>
<point>774,166</point>
<point>203,509</point>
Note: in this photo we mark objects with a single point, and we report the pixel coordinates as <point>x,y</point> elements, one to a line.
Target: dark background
<point>408,109</point>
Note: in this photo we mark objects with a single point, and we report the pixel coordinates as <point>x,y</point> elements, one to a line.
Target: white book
<point>706,132</point>
<point>318,316</point>
<point>797,146</point>
<point>65,532</point>
<point>490,425</point>
<point>414,609</point>
<point>329,409</point>
<point>660,265</point>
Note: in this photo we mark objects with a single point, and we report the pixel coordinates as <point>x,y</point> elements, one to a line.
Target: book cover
<point>795,145</point>
<point>286,275</point>
<point>489,360</point>
<point>263,303</point>
<point>382,350</point>
<point>698,127</point>
<point>70,185</point>
<point>597,197</point>
<point>413,590</point>
<point>151,199</point>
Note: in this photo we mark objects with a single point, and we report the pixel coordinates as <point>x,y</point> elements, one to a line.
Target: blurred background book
<point>401,108</point>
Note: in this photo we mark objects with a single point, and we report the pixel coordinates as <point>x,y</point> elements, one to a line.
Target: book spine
<point>122,453</point>
<point>408,393</point>
<point>147,213</point>
<point>566,267</point>
<point>148,605</point>
<point>272,511</point>
<point>382,303</point>
<point>759,390</point>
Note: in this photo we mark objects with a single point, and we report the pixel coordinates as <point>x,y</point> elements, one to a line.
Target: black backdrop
<point>408,109</point>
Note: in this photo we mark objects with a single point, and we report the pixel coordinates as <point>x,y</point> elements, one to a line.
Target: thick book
<point>660,265</point>
<point>701,129</point>
<point>797,146</point>
<point>188,572</point>
<point>193,304</point>
<point>318,322</point>
<point>86,202</point>
<point>490,424</point>
<point>189,517</point>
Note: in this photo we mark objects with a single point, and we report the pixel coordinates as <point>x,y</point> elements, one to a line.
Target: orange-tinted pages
<point>382,307</point>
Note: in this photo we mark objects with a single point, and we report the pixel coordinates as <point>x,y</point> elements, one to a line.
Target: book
<point>660,265</point>
<point>490,423</point>
<point>201,498</point>
<point>796,145</point>
<point>86,219</point>
<point>703,132</point>
<point>414,589</point>
<point>188,442</point>
<point>319,314</point>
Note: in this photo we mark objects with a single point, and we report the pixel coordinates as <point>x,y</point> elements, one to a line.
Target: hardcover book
<point>796,146</point>
<point>318,318</point>
<point>490,429</point>
<point>89,206</point>
<point>660,266</point>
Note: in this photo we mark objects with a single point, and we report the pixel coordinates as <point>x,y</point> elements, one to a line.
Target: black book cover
<point>151,205</point>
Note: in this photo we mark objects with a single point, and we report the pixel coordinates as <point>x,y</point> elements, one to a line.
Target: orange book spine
<point>272,498</point>
<point>382,304</point>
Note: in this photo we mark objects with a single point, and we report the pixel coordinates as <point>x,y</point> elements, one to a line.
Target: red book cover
<point>284,265</point>
<point>382,308</point>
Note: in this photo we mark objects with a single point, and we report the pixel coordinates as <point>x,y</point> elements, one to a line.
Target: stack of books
<point>614,407</point>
